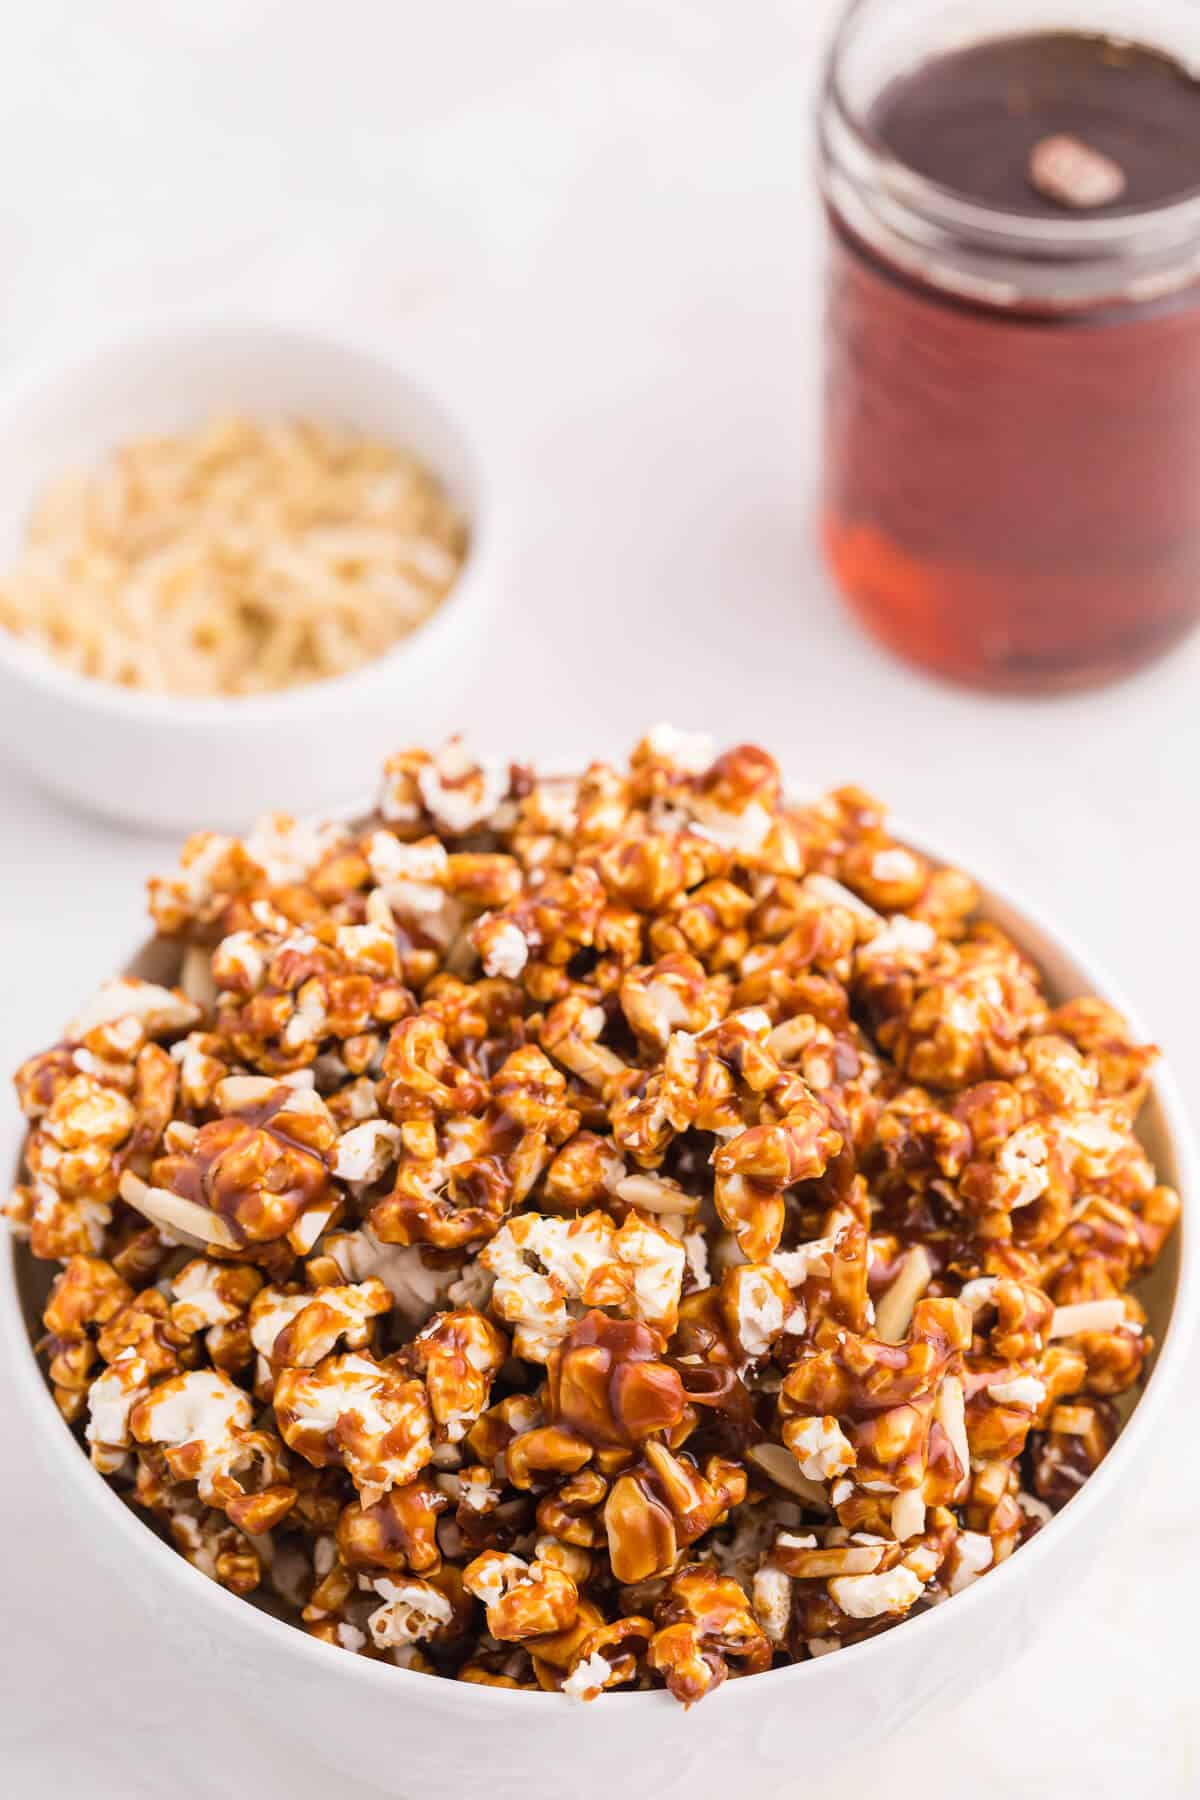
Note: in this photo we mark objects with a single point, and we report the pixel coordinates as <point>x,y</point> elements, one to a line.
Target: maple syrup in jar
<point>1012,412</point>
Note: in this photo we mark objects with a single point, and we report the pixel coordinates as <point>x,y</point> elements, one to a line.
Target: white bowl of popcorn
<point>238,561</point>
<point>363,1714</point>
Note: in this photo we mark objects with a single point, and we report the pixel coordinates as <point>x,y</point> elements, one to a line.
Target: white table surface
<point>592,226</point>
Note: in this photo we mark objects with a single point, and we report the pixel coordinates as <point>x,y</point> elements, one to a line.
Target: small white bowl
<point>174,763</point>
<point>413,1734</point>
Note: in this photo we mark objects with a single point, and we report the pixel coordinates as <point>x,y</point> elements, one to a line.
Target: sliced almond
<point>834,1559</point>
<point>159,1009</point>
<point>780,1466</point>
<point>908,1514</point>
<point>236,1092</point>
<point>179,1136</point>
<point>950,1413</point>
<point>649,1194</point>
<point>1088,1315</point>
<point>894,1313</point>
<point>594,1064</point>
<point>306,1100</point>
<point>792,1036</point>
<point>378,911</point>
<point>1073,1421</point>
<point>196,977</point>
<point>832,893</point>
<point>183,1219</point>
<point>1065,169</point>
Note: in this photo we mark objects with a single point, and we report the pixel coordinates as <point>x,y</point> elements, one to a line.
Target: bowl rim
<point>59,370</point>
<point>1171,1356</point>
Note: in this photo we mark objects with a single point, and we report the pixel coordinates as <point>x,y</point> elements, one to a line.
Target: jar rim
<point>996,254</point>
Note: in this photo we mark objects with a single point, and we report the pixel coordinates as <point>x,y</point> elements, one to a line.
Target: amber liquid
<point>1012,499</point>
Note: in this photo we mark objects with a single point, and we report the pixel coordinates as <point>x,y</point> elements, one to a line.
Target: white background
<point>591,226</point>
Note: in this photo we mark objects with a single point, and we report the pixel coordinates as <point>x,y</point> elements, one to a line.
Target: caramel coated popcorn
<point>586,1233</point>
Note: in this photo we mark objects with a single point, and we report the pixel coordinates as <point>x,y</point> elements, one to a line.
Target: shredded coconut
<point>234,557</point>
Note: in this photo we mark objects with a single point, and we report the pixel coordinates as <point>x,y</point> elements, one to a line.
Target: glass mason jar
<point>1012,409</point>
